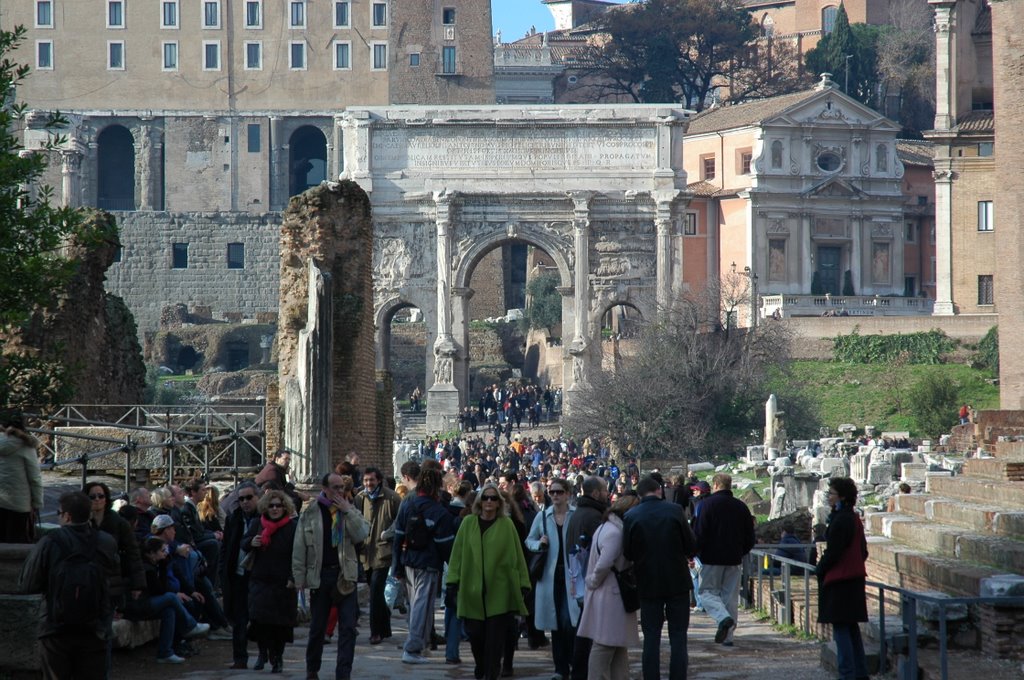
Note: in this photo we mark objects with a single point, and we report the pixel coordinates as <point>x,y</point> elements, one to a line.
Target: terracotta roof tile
<point>976,121</point>
<point>915,152</point>
<point>747,113</point>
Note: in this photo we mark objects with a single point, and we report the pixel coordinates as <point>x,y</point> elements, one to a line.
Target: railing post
<point>881,630</point>
<point>942,641</point>
<point>807,601</point>
<point>787,596</point>
<point>127,463</point>
<point>910,621</point>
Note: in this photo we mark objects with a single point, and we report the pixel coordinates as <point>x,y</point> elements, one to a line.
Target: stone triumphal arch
<point>601,189</point>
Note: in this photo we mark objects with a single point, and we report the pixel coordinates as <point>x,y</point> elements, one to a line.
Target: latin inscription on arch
<point>513,148</point>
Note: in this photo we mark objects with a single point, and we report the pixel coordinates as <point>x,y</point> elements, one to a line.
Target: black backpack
<point>78,586</point>
<point>419,532</point>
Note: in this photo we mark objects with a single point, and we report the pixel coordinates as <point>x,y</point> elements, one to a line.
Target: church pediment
<point>835,187</point>
<point>832,107</point>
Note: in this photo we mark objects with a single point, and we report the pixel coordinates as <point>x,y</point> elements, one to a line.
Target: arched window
<point>767,26</point>
<point>307,159</point>
<point>776,154</point>
<point>828,18</point>
<point>115,172</point>
<point>881,158</point>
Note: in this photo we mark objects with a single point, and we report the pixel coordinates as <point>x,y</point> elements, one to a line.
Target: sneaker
<point>408,657</point>
<point>220,634</point>
<point>199,630</point>
<point>173,658</point>
<point>723,629</point>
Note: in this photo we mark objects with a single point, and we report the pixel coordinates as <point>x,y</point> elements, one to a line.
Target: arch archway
<point>617,332</point>
<point>115,169</point>
<point>307,159</point>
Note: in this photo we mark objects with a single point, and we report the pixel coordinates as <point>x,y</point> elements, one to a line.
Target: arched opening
<point>307,159</point>
<point>115,171</point>
<point>514,319</point>
<point>620,328</point>
<point>404,347</point>
<point>828,18</point>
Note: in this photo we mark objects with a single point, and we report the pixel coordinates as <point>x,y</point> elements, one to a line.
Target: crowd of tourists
<point>548,542</point>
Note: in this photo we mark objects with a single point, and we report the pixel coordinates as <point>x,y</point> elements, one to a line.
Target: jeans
<point>563,636</point>
<point>175,621</point>
<point>849,651</point>
<point>695,577</point>
<point>720,592</point>
<point>422,592</point>
<point>452,632</point>
<point>320,602</point>
<point>653,614</point>
<point>380,615</point>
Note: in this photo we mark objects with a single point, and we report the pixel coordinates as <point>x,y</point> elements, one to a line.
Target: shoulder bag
<point>539,558</point>
<point>629,591</point>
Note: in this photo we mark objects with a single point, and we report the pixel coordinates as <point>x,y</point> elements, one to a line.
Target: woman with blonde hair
<point>605,619</point>
<point>273,605</point>
<point>210,512</point>
<point>488,572</point>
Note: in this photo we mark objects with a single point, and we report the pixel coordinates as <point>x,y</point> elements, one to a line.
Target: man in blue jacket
<point>424,534</point>
<point>725,534</point>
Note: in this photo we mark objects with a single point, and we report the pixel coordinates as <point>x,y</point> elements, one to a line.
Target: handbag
<point>629,590</point>
<point>539,558</point>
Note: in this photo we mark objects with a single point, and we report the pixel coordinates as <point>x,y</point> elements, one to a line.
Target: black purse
<point>629,591</point>
<point>538,559</point>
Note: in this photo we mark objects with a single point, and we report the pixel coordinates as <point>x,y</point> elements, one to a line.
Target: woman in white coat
<point>604,619</point>
<point>556,607</point>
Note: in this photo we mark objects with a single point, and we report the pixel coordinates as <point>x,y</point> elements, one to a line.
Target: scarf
<point>269,527</point>
<point>337,526</point>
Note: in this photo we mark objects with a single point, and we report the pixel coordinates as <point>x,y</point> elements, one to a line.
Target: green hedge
<point>915,348</point>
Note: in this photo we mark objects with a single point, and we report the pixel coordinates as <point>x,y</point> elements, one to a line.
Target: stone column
<point>460,334</point>
<point>443,396</point>
<point>336,162</point>
<point>29,190</point>
<point>663,251</point>
<point>278,178</point>
<point>860,251</point>
<point>806,253</point>
<point>70,186</point>
<point>945,63</point>
<point>144,162</point>
<point>943,242</point>
<point>578,349</point>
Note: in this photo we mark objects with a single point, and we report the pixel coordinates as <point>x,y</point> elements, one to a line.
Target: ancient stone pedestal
<point>442,402</point>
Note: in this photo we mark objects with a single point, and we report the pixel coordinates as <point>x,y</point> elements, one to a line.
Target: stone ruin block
<point>203,312</point>
<point>929,611</point>
<point>925,446</point>
<point>755,454</point>
<point>70,448</point>
<point>1002,585</point>
<point>834,467</point>
<point>879,473</point>
<point>859,464</point>
<point>935,473</point>
<point>809,463</point>
<point>913,472</point>
<point>700,467</point>
<point>782,461</point>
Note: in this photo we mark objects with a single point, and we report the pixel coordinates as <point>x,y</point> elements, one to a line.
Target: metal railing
<point>213,438</point>
<point>907,604</point>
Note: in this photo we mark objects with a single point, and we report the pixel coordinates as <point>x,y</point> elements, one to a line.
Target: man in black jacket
<point>657,539</point>
<point>235,581</point>
<point>583,523</point>
<point>725,534</point>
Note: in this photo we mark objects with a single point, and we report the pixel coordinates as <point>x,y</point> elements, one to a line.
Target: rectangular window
<point>179,256</point>
<point>253,137</point>
<point>986,148</point>
<point>170,56</point>
<point>253,56</point>
<point>690,224</point>
<point>236,256</point>
<point>119,254</point>
<point>414,59</point>
<point>342,56</point>
<point>448,16</point>
<point>253,14</point>
<point>297,14</point>
<point>44,14</point>
<point>380,56</point>
<point>297,56</point>
<point>380,14</point>
<point>985,292</point>
<point>777,269</point>
<point>211,56</point>
<point>44,55</point>
<point>115,14</point>
<point>910,232</point>
<point>115,55</point>
<point>169,14</point>
<point>745,158</point>
<point>341,14</point>
<point>707,167</point>
<point>985,217</point>
<point>447,59</point>
<point>211,14</point>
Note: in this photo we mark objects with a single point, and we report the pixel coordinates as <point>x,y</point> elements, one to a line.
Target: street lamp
<point>749,273</point>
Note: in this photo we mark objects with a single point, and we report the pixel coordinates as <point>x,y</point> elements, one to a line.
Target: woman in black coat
<point>841,575</point>
<point>272,598</point>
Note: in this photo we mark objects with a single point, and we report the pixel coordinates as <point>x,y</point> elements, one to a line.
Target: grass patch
<point>878,394</point>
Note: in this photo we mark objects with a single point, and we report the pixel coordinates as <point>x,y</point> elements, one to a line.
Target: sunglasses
<point>556,491</point>
<point>275,505</point>
<point>246,498</point>
<point>489,498</point>
<point>96,496</point>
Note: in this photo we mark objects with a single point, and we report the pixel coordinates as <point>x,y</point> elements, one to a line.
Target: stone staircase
<point>956,537</point>
<point>414,424</point>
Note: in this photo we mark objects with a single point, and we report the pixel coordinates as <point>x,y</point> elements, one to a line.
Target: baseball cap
<point>161,522</point>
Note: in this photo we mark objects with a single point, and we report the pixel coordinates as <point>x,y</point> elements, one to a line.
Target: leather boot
<point>276,664</point>
<point>261,660</point>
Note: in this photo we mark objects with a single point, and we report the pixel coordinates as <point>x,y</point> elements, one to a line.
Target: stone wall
<point>331,225</point>
<point>147,281</point>
<point>1008,71</point>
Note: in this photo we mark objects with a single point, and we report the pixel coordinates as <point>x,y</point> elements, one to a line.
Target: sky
<point>514,18</point>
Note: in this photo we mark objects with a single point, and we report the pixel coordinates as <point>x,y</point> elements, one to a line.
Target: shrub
<point>987,356</point>
<point>933,404</point>
<point>914,348</point>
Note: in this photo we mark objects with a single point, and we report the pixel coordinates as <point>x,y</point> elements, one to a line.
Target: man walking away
<point>657,539</point>
<point>725,534</point>
<point>73,567</point>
